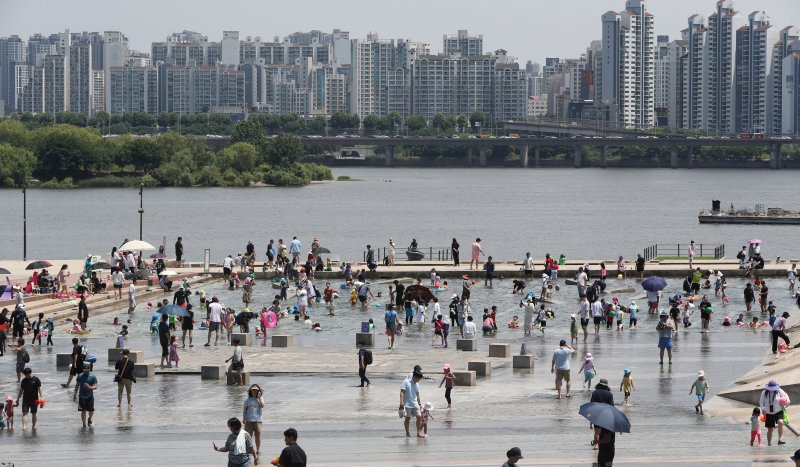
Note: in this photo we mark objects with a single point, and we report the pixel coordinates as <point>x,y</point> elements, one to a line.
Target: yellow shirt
<point>627,384</point>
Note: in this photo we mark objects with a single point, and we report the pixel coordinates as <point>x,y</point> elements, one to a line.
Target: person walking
<point>252,414</point>
<point>30,390</point>
<point>214,312</point>
<point>85,384</point>
<point>292,455</point>
<point>187,326</point>
<point>779,331</point>
<point>772,402</point>
<point>560,366</point>
<point>163,339</point>
<point>454,251</point>
<point>77,361</point>
<point>179,250</point>
<point>124,377</point>
<point>390,317</point>
<point>527,320</point>
<point>411,403</point>
<point>527,266</point>
<point>749,296</point>
<point>83,312</point>
<point>763,297</point>
<point>117,278</point>
<point>132,296</point>
<point>23,358</point>
<point>477,251</point>
<point>605,451</point>
<point>449,381</point>
<point>692,253</point>
<point>363,361</point>
<point>700,388</point>
<point>583,315</point>
<point>664,328</point>
<point>294,248</point>
<point>239,445</point>
<point>237,363</point>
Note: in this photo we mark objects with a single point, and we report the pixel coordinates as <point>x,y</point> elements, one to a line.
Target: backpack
<point>367,357</point>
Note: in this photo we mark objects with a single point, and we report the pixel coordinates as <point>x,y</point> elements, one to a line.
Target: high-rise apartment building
<point>81,80</point>
<point>788,36</point>
<point>628,63</point>
<point>676,77</point>
<point>462,43</point>
<point>693,76</point>
<point>12,52</point>
<point>719,101</point>
<point>132,89</point>
<point>790,105</point>
<point>754,46</point>
<point>373,63</point>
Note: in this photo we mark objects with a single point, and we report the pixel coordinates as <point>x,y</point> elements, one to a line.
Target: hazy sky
<point>528,29</point>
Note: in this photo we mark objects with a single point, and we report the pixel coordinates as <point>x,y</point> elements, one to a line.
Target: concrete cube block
<point>114,355</point>
<point>136,356</point>
<point>470,345</point>
<point>500,350</point>
<point>144,370</point>
<point>368,338</point>
<point>245,378</point>
<point>523,361</point>
<point>216,372</point>
<point>281,341</point>
<point>481,368</point>
<point>244,339</point>
<point>63,361</point>
<point>465,378</point>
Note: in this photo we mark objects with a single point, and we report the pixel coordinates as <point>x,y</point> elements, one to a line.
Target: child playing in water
<point>700,386</point>
<point>353,298</point>
<point>76,326</point>
<point>573,329</point>
<point>230,319</point>
<point>588,370</point>
<point>433,277</point>
<point>755,426</point>
<point>449,381</point>
<point>8,411</point>
<point>424,416</point>
<point>626,385</point>
<point>173,351</point>
<point>514,323</point>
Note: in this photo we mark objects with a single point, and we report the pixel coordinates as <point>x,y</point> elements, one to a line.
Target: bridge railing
<point>681,250</point>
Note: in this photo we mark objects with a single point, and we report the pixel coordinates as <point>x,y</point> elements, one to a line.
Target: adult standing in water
<point>771,407</point>
<point>252,414</point>
<point>454,250</point>
<point>163,339</point>
<point>179,250</point>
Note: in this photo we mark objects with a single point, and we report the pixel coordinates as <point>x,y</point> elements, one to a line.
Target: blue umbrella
<point>173,310</point>
<point>606,416</point>
<point>654,284</point>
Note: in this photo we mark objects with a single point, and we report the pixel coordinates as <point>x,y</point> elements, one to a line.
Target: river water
<point>586,213</point>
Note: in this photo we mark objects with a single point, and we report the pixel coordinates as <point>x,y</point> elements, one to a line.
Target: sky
<point>528,29</point>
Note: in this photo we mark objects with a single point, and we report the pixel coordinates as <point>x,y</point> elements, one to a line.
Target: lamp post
<point>141,209</point>
<point>24,221</point>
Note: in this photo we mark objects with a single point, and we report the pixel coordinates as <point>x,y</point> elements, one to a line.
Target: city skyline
<point>520,30</point>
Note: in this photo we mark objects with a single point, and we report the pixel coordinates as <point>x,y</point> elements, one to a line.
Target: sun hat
<point>663,313</point>
<point>446,366</point>
<point>9,398</point>
<point>772,385</point>
<point>603,381</point>
<point>572,315</point>
<point>701,373</point>
<point>428,406</point>
<point>589,357</point>
<point>455,296</point>
<point>627,371</point>
<point>465,277</point>
<point>516,452</point>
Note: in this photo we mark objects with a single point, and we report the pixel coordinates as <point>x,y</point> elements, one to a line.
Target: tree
<point>16,165</point>
<point>342,121</point>
<point>250,131</point>
<point>167,119</point>
<point>392,121</point>
<point>416,123</point>
<point>144,154</point>
<point>72,118</point>
<point>462,122</point>
<point>240,156</point>
<point>372,123</point>
<point>475,118</point>
<point>14,133</point>
<point>317,125</point>
<point>285,150</point>
<point>65,150</point>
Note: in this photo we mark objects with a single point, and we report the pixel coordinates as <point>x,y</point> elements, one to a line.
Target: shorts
<point>665,343</point>
<point>226,271</point>
<point>653,305</point>
<point>362,298</point>
<point>29,406</point>
<point>119,287</point>
<point>86,404</point>
<point>701,397</point>
<point>238,371</point>
<point>772,419</point>
<point>474,257</point>
<point>213,326</point>
<point>584,322</point>
<point>598,319</point>
<point>20,367</point>
<point>627,394</point>
<point>438,332</point>
<point>543,324</point>
<point>412,412</point>
<point>562,375</point>
<point>252,426</point>
<point>391,327</point>
<point>186,324</point>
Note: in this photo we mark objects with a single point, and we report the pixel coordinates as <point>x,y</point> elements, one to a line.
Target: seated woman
<point>82,286</point>
<point>97,285</point>
<point>165,284</point>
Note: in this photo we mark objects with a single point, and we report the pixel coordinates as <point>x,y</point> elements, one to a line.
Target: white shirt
<point>215,312</point>
<point>227,262</point>
<point>528,264</point>
<point>118,277</point>
<point>792,274</point>
<point>130,260</point>
<point>302,298</point>
<point>391,249</point>
<point>582,279</point>
<point>420,313</point>
<point>584,310</point>
<point>131,290</point>
<point>542,315</point>
<point>437,309</point>
<point>597,309</point>
<point>470,329</point>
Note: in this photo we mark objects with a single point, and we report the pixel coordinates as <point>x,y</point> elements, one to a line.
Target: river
<point>586,213</point>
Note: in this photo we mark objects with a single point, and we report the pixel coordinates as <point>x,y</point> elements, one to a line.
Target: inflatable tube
<point>271,320</point>
<point>70,331</point>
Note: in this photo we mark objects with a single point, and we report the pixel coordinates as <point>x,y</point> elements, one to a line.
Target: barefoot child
<point>700,386</point>
<point>755,426</point>
<point>9,412</point>
<point>573,329</point>
<point>588,370</point>
<point>449,380</point>
<point>426,413</point>
<point>626,385</point>
<point>173,350</point>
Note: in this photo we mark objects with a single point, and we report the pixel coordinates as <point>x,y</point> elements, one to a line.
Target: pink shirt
<point>476,249</point>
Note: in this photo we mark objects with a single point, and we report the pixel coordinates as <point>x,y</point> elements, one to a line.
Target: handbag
<point>118,376</point>
<point>238,365</point>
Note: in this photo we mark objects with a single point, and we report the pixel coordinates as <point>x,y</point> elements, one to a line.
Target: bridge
<point>527,145</point>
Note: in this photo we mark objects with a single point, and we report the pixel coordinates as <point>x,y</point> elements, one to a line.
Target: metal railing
<point>430,253</point>
<point>681,250</point>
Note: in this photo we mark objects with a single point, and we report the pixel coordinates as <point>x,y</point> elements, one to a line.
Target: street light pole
<point>24,223</point>
<point>141,209</point>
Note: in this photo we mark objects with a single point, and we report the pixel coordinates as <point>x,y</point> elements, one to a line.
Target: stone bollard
<point>245,339</point>
<point>470,345</point>
<point>368,338</point>
<point>136,356</point>
<point>481,368</point>
<point>465,378</point>
<point>245,379</point>
<point>216,372</point>
<point>281,340</point>
<point>144,370</point>
<point>523,361</point>
<point>63,361</point>
<point>500,350</point>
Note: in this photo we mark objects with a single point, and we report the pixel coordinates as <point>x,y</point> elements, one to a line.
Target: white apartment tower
<point>373,63</point>
<point>676,60</point>
<point>693,76</point>
<point>720,69</point>
<point>81,79</point>
<point>628,64</point>
<point>754,58</point>
<point>790,105</point>
<point>12,52</point>
<point>463,44</point>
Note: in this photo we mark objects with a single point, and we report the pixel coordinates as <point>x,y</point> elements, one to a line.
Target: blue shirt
<point>295,247</point>
<point>252,409</point>
<point>561,356</point>
<point>633,311</point>
<point>390,316</point>
<point>410,390</point>
<point>83,391</point>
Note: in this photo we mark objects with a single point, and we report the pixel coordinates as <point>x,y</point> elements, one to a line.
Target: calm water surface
<point>586,213</point>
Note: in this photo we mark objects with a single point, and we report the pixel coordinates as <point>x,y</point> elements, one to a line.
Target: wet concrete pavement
<point>312,387</point>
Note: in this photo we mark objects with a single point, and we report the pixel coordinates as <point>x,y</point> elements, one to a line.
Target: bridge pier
<point>523,155</point>
<point>536,157</point>
<point>673,158</point>
<point>775,159</point>
<point>389,155</point>
<point>483,152</point>
<point>577,156</point>
<point>469,156</point>
<point>603,151</point>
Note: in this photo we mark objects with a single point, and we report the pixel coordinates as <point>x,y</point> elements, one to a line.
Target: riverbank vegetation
<point>65,155</point>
